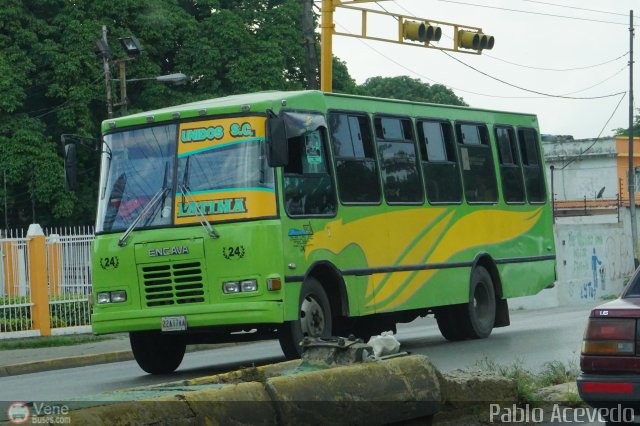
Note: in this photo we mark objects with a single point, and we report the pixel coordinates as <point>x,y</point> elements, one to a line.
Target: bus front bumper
<point>117,321</point>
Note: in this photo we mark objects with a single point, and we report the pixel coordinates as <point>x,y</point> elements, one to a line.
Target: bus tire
<point>157,353</point>
<point>449,324</point>
<point>314,319</point>
<point>479,315</point>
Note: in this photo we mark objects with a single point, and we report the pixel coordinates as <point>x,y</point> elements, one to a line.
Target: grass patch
<point>50,341</point>
<point>529,383</point>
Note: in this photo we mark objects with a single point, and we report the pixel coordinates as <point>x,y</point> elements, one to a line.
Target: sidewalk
<point>24,361</point>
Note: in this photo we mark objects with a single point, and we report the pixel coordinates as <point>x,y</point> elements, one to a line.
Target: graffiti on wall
<point>595,260</point>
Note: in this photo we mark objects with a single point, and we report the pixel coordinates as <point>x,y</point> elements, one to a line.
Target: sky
<point>523,42</point>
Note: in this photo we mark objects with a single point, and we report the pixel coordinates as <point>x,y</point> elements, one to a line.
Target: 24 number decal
<point>233,252</point>
<point>109,262</point>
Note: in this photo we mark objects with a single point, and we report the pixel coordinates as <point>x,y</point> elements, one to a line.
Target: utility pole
<point>107,72</point>
<point>308,31</point>
<point>632,175</point>
<point>6,215</point>
<point>123,87</point>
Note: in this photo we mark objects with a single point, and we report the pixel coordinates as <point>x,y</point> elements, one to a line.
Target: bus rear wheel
<point>314,319</point>
<point>479,315</point>
<point>448,318</point>
<point>157,353</point>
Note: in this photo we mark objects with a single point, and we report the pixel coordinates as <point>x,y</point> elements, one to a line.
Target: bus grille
<point>170,284</point>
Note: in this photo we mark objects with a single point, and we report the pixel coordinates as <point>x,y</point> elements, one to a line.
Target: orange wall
<point>622,148</point>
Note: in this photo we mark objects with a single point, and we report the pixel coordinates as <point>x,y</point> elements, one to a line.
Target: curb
<point>62,363</point>
<point>290,393</point>
<point>85,360</point>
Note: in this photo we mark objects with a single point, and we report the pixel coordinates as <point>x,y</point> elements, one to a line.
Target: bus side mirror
<point>277,147</point>
<point>70,169</point>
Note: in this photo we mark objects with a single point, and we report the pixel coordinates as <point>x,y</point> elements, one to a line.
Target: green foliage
<point>636,127</point>
<point>528,382</point>
<point>411,89</point>
<point>52,81</point>
<point>68,314</point>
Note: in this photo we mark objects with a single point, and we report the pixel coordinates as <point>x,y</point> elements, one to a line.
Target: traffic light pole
<point>412,31</point>
<point>326,47</point>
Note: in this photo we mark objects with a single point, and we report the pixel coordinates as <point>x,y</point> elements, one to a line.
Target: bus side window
<point>532,165</point>
<point>398,160</point>
<point>510,165</point>
<point>355,161</point>
<point>308,187</point>
<point>441,174</point>
<point>478,172</point>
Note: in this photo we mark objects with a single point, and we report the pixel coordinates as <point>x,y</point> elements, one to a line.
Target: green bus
<point>292,214</point>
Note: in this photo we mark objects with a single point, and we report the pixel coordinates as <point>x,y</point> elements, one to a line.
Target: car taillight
<point>609,336</point>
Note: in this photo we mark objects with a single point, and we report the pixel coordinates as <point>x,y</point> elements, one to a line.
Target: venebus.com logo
<point>40,413</point>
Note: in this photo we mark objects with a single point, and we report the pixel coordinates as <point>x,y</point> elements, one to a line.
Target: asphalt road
<point>534,337</point>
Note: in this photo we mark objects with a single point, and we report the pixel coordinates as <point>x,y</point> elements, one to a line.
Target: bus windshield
<point>141,164</point>
<point>216,168</point>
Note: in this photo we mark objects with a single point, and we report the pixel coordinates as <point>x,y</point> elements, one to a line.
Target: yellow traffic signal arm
<point>412,31</point>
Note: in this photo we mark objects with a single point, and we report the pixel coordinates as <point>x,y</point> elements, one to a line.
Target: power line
<point>597,84</point>
<point>575,18</point>
<point>576,8</point>
<point>599,134</point>
<point>530,66</point>
<point>524,88</point>
<point>401,65</point>
<point>557,69</point>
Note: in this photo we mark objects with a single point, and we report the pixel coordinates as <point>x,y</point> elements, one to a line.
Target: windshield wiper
<point>157,197</point>
<point>186,193</point>
<point>160,195</point>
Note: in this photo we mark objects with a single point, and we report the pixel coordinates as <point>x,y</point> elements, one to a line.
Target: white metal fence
<point>15,297</point>
<point>67,259</point>
<point>69,274</point>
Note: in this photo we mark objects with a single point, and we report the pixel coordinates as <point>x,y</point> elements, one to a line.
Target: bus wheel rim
<point>312,320</point>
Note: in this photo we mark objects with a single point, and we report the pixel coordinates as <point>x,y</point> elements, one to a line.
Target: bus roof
<point>260,101</point>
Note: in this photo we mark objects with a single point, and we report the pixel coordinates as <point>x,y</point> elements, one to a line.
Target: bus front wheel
<point>479,315</point>
<point>314,319</point>
<point>157,353</point>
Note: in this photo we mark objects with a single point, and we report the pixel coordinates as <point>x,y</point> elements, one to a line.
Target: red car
<point>610,358</point>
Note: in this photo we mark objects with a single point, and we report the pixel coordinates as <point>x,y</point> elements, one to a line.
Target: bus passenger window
<point>398,160</point>
<point>478,172</point>
<point>532,166</point>
<point>441,172</point>
<point>355,161</point>
<point>510,166</point>
<point>308,187</point>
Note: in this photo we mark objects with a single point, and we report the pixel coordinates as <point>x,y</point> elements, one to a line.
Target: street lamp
<point>177,78</point>
<point>131,45</point>
<point>133,48</point>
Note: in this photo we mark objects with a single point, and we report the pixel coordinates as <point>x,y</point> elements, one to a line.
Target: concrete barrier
<point>289,393</point>
<point>395,390</point>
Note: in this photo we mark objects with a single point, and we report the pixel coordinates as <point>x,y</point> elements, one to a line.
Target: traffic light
<point>475,40</point>
<point>422,32</point>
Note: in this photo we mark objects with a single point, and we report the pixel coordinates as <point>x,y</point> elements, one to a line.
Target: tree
<point>410,89</point>
<point>52,81</point>
<point>636,127</point>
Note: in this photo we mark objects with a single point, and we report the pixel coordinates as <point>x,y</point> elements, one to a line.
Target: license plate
<point>174,323</point>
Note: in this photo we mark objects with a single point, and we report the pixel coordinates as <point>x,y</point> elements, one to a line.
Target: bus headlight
<point>118,296</point>
<point>231,287</point>
<point>102,298</point>
<point>249,285</point>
